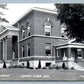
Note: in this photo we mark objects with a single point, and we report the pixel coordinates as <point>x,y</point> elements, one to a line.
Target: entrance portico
<point>8,42</point>
<point>75,50</point>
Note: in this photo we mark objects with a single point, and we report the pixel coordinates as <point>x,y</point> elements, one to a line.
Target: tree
<point>72,15</point>
<point>3,6</point>
<point>39,65</point>
<point>4,64</point>
<point>28,64</point>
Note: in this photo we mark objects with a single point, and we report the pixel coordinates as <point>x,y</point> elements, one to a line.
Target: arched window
<point>47,29</point>
<point>23,33</point>
<point>63,28</point>
<point>28,27</point>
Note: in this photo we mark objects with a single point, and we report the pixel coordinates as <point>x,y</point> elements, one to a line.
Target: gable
<point>2,28</point>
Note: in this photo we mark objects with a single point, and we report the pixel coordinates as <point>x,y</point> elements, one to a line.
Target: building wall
<point>40,43</point>
<point>37,43</point>
<point>28,18</point>
<point>25,43</point>
<point>39,20</point>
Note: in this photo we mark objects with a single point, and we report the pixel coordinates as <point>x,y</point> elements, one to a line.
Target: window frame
<point>28,29</point>
<point>47,27</point>
<point>48,49</point>
<point>28,48</point>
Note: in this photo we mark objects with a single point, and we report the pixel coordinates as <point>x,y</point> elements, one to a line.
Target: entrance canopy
<point>70,45</point>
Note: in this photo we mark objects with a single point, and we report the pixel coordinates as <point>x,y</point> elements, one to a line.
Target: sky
<point>16,10</point>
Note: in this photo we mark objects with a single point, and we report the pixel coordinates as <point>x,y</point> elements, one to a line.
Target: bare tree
<point>4,7</point>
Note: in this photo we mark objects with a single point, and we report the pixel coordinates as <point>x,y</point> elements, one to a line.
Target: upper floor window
<point>63,28</point>
<point>23,33</point>
<point>47,29</point>
<point>28,29</point>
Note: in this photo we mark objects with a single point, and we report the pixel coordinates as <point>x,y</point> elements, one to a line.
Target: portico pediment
<point>2,28</point>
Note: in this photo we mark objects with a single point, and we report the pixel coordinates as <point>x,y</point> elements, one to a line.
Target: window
<point>48,49</point>
<point>28,50</point>
<point>23,51</point>
<point>47,29</point>
<point>28,30</point>
<point>63,28</point>
<point>79,52</point>
<point>23,33</point>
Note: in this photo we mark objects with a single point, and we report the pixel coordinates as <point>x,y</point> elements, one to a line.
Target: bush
<point>16,66</point>
<point>4,65</point>
<point>44,68</point>
<point>28,65</point>
<point>72,68</point>
<point>63,66</point>
<point>39,65</point>
<point>58,67</point>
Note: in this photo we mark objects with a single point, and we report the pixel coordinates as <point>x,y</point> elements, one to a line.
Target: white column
<point>57,53</point>
<point>13,55</point>
<point>3,49</point>
<point>18,49</point>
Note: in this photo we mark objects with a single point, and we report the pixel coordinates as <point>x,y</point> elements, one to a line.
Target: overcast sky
<point>16,10</point>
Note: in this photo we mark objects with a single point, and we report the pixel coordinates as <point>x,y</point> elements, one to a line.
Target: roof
<point>6,26</point>
<point>69,43</point>
<point>37,9</point>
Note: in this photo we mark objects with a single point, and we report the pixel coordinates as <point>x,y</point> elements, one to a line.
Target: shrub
<point>44,68</point>
<point>39,65</point>
<point>28,65</point>
<point>16,66</point>
<point>63,65</point>
<point>58,67</point>
<point>72,68</point>
<point>4,65</point>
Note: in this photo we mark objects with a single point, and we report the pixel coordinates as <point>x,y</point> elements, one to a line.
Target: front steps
<point>75,66</point>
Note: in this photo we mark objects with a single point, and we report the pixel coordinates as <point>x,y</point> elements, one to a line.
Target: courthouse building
<point>41,37</point>
<point>8,43</point>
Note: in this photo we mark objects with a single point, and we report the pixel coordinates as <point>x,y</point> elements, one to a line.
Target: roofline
<point>9,30</point>
<point>81,44</point>
<point>37,9</point>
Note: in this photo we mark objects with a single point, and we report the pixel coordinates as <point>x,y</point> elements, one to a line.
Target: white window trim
<point>22,33</point>
<point>28,30</point>
<point>45,32</point>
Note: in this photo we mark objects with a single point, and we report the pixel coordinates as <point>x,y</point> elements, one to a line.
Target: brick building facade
<point>40,38</point>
